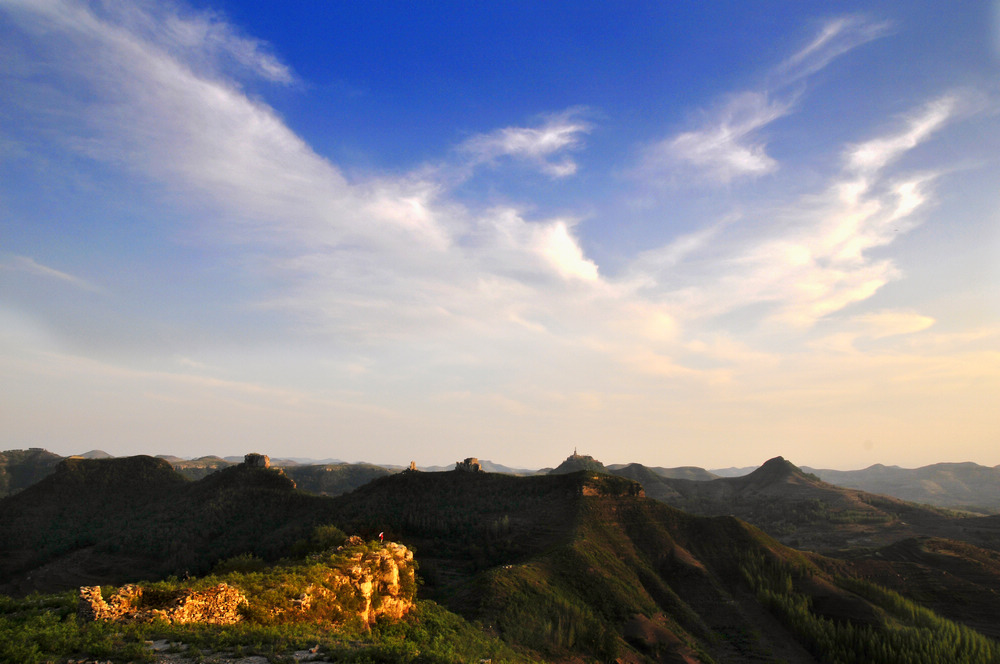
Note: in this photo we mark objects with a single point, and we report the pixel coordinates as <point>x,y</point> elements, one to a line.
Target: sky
<point>668,233</point>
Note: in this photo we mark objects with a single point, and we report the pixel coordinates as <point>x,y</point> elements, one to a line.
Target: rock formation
<point>380,582</point>
<point>393,581</point>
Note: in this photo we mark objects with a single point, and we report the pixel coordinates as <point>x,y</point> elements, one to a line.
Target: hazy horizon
<point>500,462</point>
<point>708,235</point>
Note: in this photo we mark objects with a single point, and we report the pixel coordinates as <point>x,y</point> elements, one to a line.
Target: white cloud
<point>728,146</point>
<point>388,256</point>
<point>555,243</point>
<point>537,145</point>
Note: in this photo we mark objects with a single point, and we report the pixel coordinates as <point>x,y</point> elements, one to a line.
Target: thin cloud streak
<point>872,156</point>
<point>837,37</point>
<point>30,266</point>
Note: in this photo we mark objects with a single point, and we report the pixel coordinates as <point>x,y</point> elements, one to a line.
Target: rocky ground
<point>166,652</point>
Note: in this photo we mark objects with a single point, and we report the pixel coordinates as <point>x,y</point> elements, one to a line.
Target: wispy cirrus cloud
<point>872,156</point>
<point>874,326</point>
<point>727,146</point>
<point>728,142</point>
<point>837,37</point>
<point>540,146</point>
<point>203,39</point>
<point>811,257</point>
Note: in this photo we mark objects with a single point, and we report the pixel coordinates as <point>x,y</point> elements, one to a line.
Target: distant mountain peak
<point>775,470</point>
<point>96,454</point>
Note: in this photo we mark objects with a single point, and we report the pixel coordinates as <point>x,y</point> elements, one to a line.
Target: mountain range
<point>583,563</point>
<point>962,486</point>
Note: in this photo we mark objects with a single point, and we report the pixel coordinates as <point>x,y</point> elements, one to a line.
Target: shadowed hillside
<point>582,562</point>
<point>681,472</point>
<point>956,579</point>
<point>803,511</point>
<point>112,520</point>
<point>655,484</point>
<point>562,566</point>
<point>20,469</point>
<point>957,485</point>
<point>196,469</point>
<point>334,479</point>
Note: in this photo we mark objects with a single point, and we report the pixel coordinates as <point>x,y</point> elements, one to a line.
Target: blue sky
<point>674,233</point>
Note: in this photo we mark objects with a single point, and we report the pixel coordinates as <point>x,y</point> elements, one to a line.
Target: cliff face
<point>355,582</point>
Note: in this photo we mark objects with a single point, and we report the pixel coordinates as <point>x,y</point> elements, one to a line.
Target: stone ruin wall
<point>384,580</point>
<point>219,605</point>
